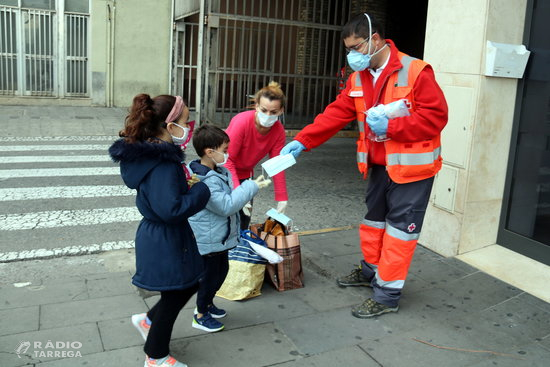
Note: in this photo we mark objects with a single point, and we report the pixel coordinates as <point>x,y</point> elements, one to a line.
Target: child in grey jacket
<point>217,227</point>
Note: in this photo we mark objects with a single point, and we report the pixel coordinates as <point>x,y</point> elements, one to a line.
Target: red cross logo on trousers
<point>411,227</point>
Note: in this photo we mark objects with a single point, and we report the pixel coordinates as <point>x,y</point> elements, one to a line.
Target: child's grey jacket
<point>217,227</point>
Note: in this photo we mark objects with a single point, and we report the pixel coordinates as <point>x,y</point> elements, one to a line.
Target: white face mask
<point>225,158</point>
<point>267,120</point>
<point>181,140</point>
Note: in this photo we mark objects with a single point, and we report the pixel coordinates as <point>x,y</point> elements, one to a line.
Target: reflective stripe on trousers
<point>388,252</point>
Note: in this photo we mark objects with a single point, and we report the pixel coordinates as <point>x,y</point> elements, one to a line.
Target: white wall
<point>467,196</point>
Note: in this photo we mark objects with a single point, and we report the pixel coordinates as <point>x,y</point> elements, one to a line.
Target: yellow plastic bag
<point>244,280</point>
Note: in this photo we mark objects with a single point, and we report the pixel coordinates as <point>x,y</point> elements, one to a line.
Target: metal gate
<point>224,51</point>
<point>31,41</point>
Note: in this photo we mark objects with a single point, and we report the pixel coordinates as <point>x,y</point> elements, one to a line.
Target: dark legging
<point>162,316</point>
<point>216,267</point>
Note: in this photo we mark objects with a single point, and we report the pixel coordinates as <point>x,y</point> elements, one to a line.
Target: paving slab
<point>529,356</point>
<point>19,320</point>
<point>86,334</point>
<point>119,333</point>
<point>545,342</point>
<point>42,293</point>
<point>91,310</point>
<point>434,271</point>
<point>127,357</point>
<point>333,243</point>
<point>324,331</point>
<point>394,350</point>
<point>418,310</point>
<point>323,294</point>
<point>260,345</point>
<point>110,285</point>
<point>349,356</point>
<point>511,323</point>
<point>456,263</point>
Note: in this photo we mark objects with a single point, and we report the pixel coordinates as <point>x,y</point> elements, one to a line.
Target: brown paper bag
<point>288,274</point>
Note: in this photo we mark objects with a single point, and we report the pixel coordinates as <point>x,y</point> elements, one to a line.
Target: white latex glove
<point>247,209</point>
<point>262,182</point>
<point>281,206</point>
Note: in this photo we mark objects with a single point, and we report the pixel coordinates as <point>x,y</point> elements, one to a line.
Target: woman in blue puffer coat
<point>167,258</point>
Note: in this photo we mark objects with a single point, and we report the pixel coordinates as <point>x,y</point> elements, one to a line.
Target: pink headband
<point>176,110</point>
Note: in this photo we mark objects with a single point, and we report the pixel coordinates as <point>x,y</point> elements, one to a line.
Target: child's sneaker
<point>216,313</point>
<point>207,323</point>
<point>167,361</point>
<point>138,320</point>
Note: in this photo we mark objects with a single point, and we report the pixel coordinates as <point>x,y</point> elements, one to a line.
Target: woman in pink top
<point>254,134</point>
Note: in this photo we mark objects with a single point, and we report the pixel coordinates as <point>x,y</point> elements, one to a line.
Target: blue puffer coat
<point>167,257</point>
<point>217,227</point>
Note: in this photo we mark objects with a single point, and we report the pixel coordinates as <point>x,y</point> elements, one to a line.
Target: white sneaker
<point>138,320</point>
<point>167,361</point>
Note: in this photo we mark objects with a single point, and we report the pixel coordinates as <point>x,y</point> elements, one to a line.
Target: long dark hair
<point>146,117</point>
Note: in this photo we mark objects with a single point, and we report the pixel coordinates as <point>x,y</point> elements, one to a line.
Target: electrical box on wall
<point>505,60</point>
<point>445,188</point>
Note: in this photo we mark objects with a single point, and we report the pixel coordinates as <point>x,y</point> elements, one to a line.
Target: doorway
<point>525,219</point>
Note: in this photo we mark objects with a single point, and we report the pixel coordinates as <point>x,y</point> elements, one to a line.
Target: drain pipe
<point>111,53</point>
<point>171,62</point>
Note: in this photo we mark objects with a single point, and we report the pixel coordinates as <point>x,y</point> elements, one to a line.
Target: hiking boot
<point>371,308</point>
<point>167,361</point>
<point>207,323</point>
<point>138,320</point>
<point>216,313</point>
<point>354,279</point>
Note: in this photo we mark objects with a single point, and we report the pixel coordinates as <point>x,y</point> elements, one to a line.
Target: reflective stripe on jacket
<point>405,162</point>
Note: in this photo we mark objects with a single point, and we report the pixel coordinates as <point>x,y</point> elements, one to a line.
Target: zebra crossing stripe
<point>44,253</point>
<point>59,172</point>
<point>67,218</point>
<point>55,158</point>
<point>64,192</point>
<point>31,148</point>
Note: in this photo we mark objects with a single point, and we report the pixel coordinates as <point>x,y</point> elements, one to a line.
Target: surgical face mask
<point>267,120</point>
<point>225,158</point>
<point>180,140</point>
<point>357,60</point>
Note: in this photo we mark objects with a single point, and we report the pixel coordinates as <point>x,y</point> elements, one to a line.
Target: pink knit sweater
<point>247,147</point>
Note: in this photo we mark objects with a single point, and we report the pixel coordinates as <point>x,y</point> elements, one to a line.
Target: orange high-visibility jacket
<point>428,116</point>
<point>405,161</point>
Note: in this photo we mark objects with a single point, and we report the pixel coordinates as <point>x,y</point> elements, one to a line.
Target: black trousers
<point>162,316</point>
<point>216,267</point>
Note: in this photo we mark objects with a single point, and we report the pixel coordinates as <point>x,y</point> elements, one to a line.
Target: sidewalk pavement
<point>450,315</point>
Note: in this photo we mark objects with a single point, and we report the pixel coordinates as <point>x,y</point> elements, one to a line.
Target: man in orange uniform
<point>401,111</point>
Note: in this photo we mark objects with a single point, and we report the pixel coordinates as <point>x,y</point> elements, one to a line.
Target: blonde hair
<point>272,92</point>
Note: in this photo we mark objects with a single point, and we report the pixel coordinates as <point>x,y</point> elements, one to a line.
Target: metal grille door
<point>41,53</point>
<point>38,46</point>
<point>8,52</point>
<point>248,43</point>
<point>76,72</point>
